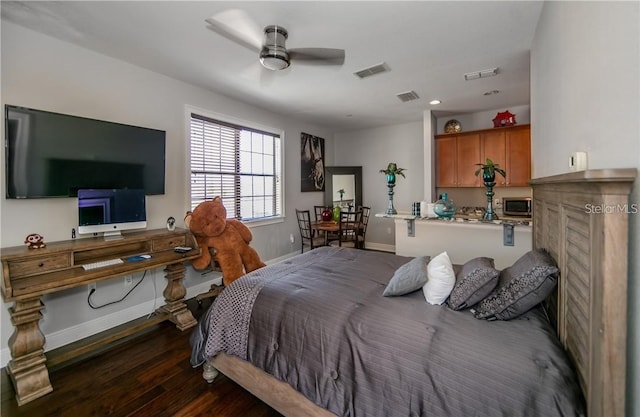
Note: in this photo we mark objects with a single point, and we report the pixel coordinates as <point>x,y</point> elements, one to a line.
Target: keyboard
<point>102,264</point>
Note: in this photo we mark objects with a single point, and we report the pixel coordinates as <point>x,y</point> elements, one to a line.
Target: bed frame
<point>581,218</point>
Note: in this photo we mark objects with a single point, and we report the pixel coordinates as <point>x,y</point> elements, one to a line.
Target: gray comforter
<point>320,323</point>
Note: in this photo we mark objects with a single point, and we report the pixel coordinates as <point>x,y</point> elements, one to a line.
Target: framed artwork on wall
<point>311,163</point>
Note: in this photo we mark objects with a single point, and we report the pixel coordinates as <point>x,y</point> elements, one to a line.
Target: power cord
<point>116,301</point>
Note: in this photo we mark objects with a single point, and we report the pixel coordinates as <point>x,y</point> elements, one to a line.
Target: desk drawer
<point>168,242</point>
<point>40,265</point>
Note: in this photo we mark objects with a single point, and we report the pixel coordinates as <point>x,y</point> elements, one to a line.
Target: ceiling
<point>427,47</point>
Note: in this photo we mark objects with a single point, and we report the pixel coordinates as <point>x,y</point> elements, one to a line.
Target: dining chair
<point>330,236</point>
<point>318,212</point>
<point>308,236</point>
<point>348,227</point>
<point>366,212</point>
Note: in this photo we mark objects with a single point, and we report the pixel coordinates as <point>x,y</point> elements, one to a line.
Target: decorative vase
<point>391,182</point>
<point>336,213</point>
<point>444,207</point>
<point>327,214</point>
<point>489,182</point>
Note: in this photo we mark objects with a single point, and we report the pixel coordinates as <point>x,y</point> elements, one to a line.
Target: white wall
<point>44,73</point>
<point>585,84</point>
<point>373,149</point>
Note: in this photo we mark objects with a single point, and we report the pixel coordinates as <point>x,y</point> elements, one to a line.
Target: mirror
<point>348,179</point>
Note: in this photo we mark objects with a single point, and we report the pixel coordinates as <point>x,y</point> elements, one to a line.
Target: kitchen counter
<point>461,218</point>
<point>462,238</point>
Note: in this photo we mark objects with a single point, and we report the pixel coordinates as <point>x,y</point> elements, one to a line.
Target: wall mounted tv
<point>53,155</point>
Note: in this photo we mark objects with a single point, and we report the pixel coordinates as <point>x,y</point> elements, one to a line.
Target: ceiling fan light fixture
<point>274,54</point>
<point>274,62</point>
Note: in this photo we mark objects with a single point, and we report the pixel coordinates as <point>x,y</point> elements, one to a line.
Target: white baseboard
<point>380,246</point>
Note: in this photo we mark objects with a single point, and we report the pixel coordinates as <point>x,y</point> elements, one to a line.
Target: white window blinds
<point>240,164</point>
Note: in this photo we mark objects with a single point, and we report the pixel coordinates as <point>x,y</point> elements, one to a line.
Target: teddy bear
<point>34,241</point>
<point>223,240</point>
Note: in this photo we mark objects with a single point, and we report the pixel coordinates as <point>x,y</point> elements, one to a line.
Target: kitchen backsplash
<point>476,197</point>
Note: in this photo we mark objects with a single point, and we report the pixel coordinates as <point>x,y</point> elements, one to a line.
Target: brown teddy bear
<point>228,239</point>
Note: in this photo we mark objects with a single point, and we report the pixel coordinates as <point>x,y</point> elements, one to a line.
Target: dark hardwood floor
<point>145,375</point>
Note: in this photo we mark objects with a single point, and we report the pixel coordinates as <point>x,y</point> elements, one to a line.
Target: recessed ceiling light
<point>434,102</point>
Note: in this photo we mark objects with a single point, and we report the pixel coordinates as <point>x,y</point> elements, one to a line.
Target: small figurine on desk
<point>34,241</point>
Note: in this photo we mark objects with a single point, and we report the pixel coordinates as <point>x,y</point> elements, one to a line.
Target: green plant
<point>489,168</point>
<point>341,192</point>
<point>392,168</point>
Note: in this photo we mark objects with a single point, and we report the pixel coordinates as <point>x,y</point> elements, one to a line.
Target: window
<point>242,165</point>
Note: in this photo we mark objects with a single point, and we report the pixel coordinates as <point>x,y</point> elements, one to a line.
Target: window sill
<point>263,222</point>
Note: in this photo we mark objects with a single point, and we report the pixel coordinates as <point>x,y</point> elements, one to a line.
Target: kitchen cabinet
<point>458,154</point>
<point>456,159</point>
<point>510,148</point>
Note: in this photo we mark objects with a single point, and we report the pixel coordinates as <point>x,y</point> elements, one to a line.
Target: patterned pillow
<point>408,278</point>
<point>475,280</point>
<point>522,286</point>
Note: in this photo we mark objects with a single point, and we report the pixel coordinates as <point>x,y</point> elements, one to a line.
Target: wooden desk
<point>28,274</point>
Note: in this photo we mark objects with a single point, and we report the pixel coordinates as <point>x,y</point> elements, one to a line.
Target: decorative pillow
<point>408,278</point>
<point>441,279</point>
<point>522,286</point>
<point>475,280</point>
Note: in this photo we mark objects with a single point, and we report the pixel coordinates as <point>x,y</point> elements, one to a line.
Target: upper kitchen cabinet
<point>510,148</point>
<point>456,159</point>
<point>458,154</point>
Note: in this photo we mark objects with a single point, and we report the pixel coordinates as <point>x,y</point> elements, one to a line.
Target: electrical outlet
<point>291,238</point>
<point>128,281</point>
<point>92,287</point>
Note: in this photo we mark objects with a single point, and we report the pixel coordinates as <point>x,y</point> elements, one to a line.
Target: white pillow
<point>441,279</point>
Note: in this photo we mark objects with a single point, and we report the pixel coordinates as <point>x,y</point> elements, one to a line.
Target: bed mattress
<point>320,323</point>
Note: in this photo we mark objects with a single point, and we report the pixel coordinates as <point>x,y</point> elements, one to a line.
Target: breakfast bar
<point>505,239</point>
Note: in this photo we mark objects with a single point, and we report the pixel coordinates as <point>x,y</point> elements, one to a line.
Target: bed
<point>313,336</point>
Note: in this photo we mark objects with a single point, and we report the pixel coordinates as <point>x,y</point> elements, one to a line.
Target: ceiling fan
<point>237,26</point>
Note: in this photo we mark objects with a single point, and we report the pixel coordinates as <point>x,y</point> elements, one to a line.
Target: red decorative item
<point>504,118</point>
<point>327,214</point>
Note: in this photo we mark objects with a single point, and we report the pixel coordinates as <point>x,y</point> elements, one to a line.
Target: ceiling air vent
<point>368,72</point>
<point>407,96</point>
<point>481,74</point>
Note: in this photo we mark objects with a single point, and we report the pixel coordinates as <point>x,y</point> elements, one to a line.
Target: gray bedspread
<point>320,323</point>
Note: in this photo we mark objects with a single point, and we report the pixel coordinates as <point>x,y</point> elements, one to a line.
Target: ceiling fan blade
<point>324,56</point>
<point>237,26</point>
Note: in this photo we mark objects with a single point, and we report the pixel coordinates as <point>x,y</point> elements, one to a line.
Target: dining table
<point>331,226</point>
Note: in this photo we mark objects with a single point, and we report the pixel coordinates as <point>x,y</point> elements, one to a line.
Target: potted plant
<point>341,192</point>
<point>391,172</point>
<point>489,169</point>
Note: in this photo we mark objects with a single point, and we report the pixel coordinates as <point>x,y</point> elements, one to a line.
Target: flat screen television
<point>54,155</point>
<point>110,211</point>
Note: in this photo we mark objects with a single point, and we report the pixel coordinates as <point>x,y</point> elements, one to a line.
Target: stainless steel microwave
<point>516,206</point>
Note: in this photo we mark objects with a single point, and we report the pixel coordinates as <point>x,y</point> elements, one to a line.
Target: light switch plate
<point>578,161</point>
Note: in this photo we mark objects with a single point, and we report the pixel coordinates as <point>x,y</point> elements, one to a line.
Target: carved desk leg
<point>174,296</point>
<point>27,368</point>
